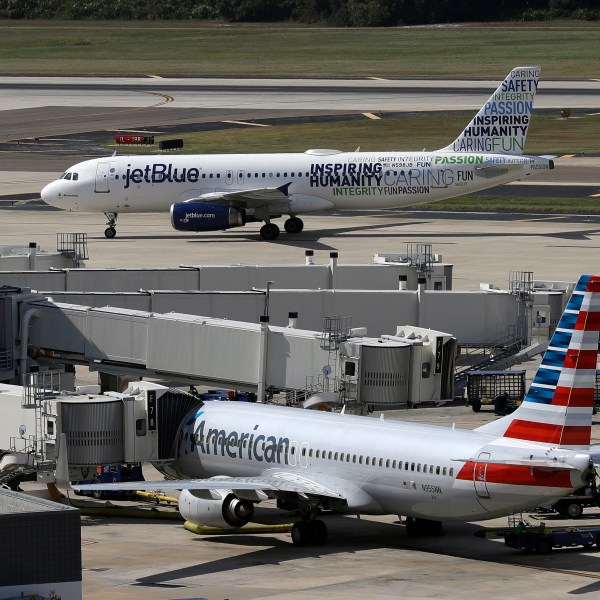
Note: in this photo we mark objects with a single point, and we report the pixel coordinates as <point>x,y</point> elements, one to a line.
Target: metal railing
<point>72,244</point>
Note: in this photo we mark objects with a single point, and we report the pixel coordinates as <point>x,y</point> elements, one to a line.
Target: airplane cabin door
<point>480,476</point>
<point>102,178</point>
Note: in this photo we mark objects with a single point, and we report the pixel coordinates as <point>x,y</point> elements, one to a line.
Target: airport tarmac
<point>370,557</point>
<point>482,247</point>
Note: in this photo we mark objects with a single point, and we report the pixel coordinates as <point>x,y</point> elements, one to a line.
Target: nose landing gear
<point>111,231</point>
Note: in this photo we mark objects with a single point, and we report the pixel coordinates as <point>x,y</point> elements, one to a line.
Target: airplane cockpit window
<point>75,176</point>
<point>67,176</point>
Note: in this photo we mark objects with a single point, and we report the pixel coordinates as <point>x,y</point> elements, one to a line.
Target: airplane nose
<point>46,193</point>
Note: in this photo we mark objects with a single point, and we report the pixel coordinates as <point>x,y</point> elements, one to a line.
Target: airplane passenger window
<point>347,458</point>
<point>419,468</point>
<point>387,463</point>
<point>406,466</point>
<point>412,466</point>
<point>335,456</point>
<point>444,471</point>
<point>210,176</point>
<point>393,464</point>
<point>203,175</point>
<point>354,458</point>
<point>329,455</point>
<point>367,460</point>
<point>317,453</point>
<point>437,470</point>
<point>451,472</point>
<point>278,174</point>
<point>285,174</point>
<point>310,453</point>
<point>342,456</point>
<point>381,462</point>
<point>360,460</point>
<point>303,451</point>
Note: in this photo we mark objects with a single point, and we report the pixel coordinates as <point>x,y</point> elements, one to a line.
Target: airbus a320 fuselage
<point>217,192</point>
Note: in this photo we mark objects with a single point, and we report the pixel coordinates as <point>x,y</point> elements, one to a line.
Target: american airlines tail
<point>557,409</point>
<point>502,122</point>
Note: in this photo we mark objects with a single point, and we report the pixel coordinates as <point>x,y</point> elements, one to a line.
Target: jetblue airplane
<point>222,191</point>
<point>232,455</point>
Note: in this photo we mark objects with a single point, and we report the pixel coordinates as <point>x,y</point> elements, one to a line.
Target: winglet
<point>502,122</point>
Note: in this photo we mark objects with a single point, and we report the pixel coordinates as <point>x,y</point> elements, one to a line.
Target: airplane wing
<point>277,481</point>
<point>247,198</point>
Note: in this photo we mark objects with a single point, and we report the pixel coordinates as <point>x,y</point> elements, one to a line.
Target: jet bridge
<point>225,353</point>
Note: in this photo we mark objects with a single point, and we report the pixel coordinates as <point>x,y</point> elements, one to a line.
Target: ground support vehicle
<point>542,539</point>
<point>113,474</point>
<point>504,390</point>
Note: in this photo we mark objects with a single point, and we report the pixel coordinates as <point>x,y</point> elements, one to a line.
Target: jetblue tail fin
<point>557,409</point>
<point>501,124</point>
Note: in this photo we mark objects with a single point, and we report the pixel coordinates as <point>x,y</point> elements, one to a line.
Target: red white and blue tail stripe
<point>557,409</point>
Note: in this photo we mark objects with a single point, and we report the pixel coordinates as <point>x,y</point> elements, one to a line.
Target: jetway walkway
<point>214,351</point>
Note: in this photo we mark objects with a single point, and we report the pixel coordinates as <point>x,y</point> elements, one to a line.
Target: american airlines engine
<point>229,456</point>
<point>224,191</point>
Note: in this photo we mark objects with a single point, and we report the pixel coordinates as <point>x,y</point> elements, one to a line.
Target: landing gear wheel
<point>300,534</point>
<point>318,533</point>
<point>110,232</point>
<point>423,527</point>
<point>294,225</point>
<point>269,231</point>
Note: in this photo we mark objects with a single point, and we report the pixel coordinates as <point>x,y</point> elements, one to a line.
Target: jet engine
<point>201,216</point>
<point>223,509</point>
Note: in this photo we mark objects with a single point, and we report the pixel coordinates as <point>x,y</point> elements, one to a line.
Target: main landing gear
<point>111,231</point>
<point>418,527</point>
<point>269,231</point>
<point>309,533</point>
<point>294,225</point>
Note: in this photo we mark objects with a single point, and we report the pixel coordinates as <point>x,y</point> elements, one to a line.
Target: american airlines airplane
<point>222,191</point>
<point>232,455</point>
